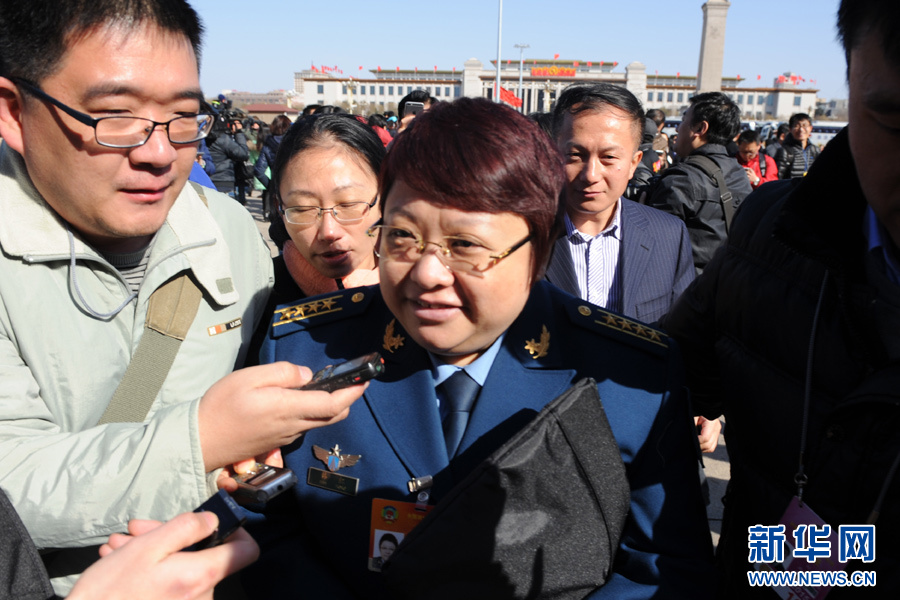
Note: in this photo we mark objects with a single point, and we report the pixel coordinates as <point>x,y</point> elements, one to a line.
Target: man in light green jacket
<point>100,116</point>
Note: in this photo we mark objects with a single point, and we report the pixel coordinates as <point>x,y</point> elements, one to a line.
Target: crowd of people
<point>153,351</point>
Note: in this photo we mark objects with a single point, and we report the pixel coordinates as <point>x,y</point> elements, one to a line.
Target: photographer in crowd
<point>227,147</point>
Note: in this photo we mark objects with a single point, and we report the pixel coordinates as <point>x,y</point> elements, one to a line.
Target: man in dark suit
<point>615,253</point>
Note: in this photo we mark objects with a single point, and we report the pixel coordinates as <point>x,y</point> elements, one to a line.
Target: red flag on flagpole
<point>360,67</point>
<point>678,74</point>
<point>379,68</point>
<point>758,77</point>
<point>590,64</point>
<point>575,63</point>
<point>510,98</point>
<point>555,56</point>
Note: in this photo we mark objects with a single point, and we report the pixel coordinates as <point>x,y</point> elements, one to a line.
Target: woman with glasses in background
<point>325,177</point>
<point>474,346</point>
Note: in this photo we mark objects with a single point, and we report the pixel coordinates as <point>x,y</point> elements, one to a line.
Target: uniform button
<point>835,432</point>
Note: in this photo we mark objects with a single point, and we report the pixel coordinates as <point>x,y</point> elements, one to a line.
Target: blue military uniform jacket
<point>315,541</point>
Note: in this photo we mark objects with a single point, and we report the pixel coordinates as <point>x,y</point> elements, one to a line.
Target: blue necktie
<point>459,392</point>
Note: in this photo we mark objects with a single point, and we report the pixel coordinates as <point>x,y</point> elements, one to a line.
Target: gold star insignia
<point>610,320</point>
<point>289,313</point>
<point>307,309</point>
<point>539,349</point>
<point>625,325</point>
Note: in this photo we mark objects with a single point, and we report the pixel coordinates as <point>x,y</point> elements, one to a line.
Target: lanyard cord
<point>84,303</point>
<point>876,510</point>
<point>800,478</point>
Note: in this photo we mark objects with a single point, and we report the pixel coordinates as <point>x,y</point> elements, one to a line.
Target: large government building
<point>542,80</point>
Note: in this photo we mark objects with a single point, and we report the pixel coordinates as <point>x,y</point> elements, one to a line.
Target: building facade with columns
<point>541,82</point>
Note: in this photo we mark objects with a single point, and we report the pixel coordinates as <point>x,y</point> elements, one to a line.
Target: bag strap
<point>762,163</point>
<point>170,312</point>
<point>712,170</point>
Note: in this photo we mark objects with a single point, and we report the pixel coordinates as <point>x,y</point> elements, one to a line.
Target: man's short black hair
<point>596,96</point>
<point>658,116</point>
<point>544,121</point>
<point>34,34</point>
<point>415,96</point>
<point>859,18</point>
<point>782,130</point>
<point>797,117</point>
<point>721,115</point>
<point>748,136</point>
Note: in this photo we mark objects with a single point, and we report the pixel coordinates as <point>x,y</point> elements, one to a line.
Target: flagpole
<point>499,36</point>
<point>521,48</point>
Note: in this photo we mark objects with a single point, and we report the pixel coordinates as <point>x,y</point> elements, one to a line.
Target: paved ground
<point>716,464</point>
<point>717,473</point>
<point>254,206</point>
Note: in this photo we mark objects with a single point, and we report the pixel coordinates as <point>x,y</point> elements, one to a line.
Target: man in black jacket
<point>793,333</point>
<point>797,153</point>
<point>686,191</point>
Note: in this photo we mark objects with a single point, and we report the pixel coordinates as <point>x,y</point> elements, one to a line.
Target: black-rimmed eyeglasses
<point>126,131</point>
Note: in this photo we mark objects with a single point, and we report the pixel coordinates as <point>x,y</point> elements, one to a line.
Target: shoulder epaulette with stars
<point>322,309</point>
<point>622,328</point>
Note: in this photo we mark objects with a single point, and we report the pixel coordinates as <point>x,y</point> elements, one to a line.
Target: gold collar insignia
<point>539,349</point>
<point>392,342</point>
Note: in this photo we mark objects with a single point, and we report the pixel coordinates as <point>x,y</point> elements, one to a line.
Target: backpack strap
<point>712,170</point>
<point>170,312</point>
<point>762,163</point>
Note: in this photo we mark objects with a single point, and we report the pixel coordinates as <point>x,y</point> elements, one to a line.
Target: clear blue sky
<point>257,45</point>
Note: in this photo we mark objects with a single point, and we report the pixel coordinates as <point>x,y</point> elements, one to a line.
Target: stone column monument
<point>712,46</point>
<point>636,80</point>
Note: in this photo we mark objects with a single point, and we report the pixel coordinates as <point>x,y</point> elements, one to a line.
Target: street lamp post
<point>521,48</point>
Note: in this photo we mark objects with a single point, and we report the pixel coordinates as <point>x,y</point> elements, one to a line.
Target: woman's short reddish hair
<point>475,155</point>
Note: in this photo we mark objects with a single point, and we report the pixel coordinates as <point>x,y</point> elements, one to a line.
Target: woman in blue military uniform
<point>469,203</point>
